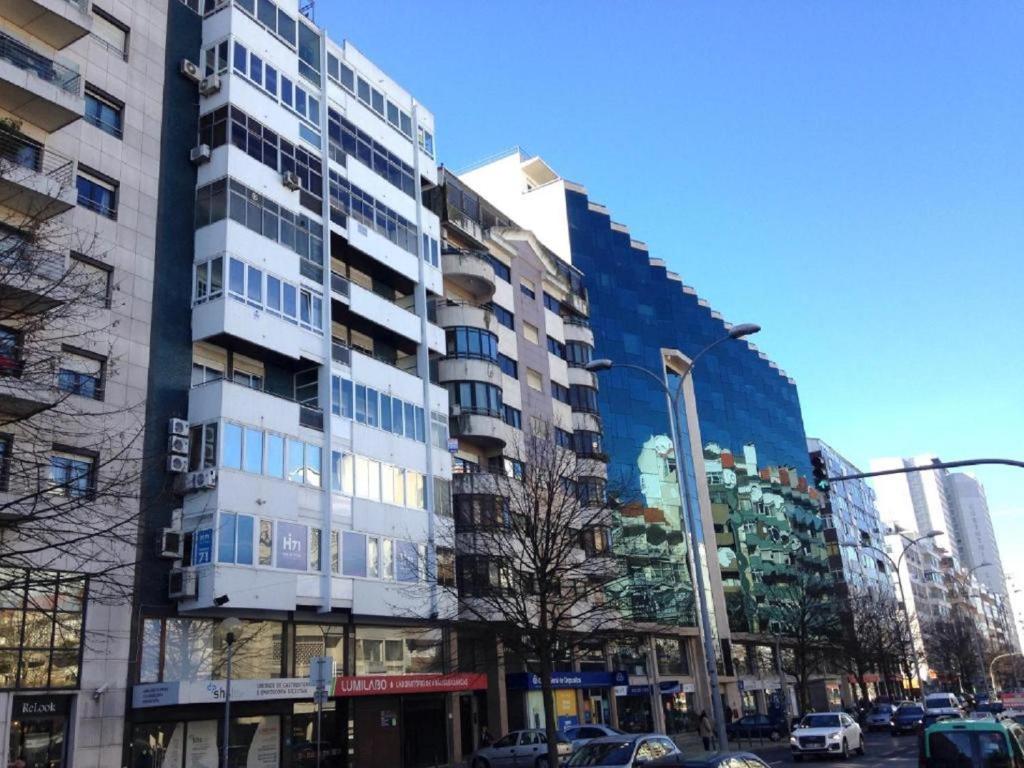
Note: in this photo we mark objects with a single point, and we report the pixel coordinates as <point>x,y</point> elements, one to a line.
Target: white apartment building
<point>916,501</point>
<point>80,129</point>
<point>308,466</point>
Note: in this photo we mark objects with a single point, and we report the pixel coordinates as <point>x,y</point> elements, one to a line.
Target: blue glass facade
<point>746,410</point>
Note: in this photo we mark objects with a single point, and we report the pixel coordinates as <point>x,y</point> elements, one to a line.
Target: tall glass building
<point>766,520</point>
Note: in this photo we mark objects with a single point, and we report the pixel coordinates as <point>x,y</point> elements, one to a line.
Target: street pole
<point>230,639</point>
<point>783,687</point>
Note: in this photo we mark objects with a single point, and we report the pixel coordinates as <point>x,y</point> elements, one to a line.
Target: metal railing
<point>19,151</point>
<point>339,284</point>
<point>23,57</point>
<point>340,353</point>
<point>311,417</point>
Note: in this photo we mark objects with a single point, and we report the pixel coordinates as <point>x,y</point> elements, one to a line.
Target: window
<point>81,373</point>
<point>556,348</point>
<point>276,21</point>
<point>6,446</point>
<point>426,141</point>
<point>502,315</point>
<point>445,566</point>
<point>508,366</point>
<point>110,32</point>
<point>530,333</point>
<point>559,392</point>
<point>103,111</point>
<point>350,200</point>
<point>551,303</point>
<point>309,53</point>
<point>476,397</point>
<point>72,474</point>
<point>587,443</point>
<point>346,139</point>
<point>473,343</point>
<point>578,354</point>
<point>202,447</point>
<point>582,398</point>
<point>10,352</point>
<point>97,193</point>
<point>563,439</point>
<point>534,380</point>
<point>512,416</point>
<point>93,281</point>
<point>41,631</point>
<point>501,269</point>
<point>527,288</point>
<point>235,538</point>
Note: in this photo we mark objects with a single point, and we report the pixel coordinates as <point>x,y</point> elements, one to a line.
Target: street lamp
<point>896,568</point>
<point>692,524</point>
<point>992,664</point>
<point>229,629</point>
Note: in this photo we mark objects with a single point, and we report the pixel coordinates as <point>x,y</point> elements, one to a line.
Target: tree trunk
<point>548,695</point>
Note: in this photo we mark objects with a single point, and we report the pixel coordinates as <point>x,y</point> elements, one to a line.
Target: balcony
<point>453,313</point>
<point>58,23</point>
<point>38,89</point>
<point>26,385</point>
<point>468,369</point>
<point>484,429</point>
<point>577,331</point>
<point>34,181</point>
<point>470,271</point>
<point>466,225</point>
<point>339,285</point>
<point>226,399</point>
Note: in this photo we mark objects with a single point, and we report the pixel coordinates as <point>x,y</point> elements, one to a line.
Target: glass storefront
<point>38,733</point>
<point>635,710</point>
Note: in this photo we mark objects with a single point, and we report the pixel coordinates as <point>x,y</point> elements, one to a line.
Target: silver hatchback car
<point>520,749</point>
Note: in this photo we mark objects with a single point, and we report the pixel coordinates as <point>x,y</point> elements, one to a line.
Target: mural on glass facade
<point>649,534</point>
<point>768,526</point>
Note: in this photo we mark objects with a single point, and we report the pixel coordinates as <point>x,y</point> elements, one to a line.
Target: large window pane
<point>253,450</point>
<point>245,537</point>
<point>275,455</point>
<point>226,538</point>
<point>296,460</point>
<point>232,457</point>
<point>353,554</point>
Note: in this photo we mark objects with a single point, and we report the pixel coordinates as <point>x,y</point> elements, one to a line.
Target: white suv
<point>942,704</point>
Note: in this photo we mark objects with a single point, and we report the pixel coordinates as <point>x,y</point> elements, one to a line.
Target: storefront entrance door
<point>38,730</point>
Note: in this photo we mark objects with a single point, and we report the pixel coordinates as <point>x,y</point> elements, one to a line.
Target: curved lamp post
<point>672,399</point>
<point>229,629</point>
<point>896,569</point>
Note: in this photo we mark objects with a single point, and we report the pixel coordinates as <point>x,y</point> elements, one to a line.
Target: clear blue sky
<point>848,175</point>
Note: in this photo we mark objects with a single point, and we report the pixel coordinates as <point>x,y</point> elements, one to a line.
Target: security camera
<point>99,692</point>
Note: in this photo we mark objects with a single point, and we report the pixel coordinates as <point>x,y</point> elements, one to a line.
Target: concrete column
<point>613,700</point>
<point>497,698</point>
<point>657,711</point>
<point>452,705</point>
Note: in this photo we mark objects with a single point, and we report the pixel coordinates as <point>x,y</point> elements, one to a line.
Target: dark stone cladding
<point>635,310</point>
<point>170,342</point>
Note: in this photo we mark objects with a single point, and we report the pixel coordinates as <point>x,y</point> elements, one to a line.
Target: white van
<point>942,704</point>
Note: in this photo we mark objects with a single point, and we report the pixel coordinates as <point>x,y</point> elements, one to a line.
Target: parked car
<point>826,733</point>
<point>907,718</point>
<point>756,726</point>
<point>942,704</point>
<point>520,749</point>
<point>581,734</point>
<point>879,718</point>
<point>971,744</point>
<point>712,760</point>
<point>625,751</point>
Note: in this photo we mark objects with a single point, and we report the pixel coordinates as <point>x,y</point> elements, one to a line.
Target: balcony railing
<point>23,57</point>
<point>311,417</point>
<point>19,151</point>
<point>340,353</point>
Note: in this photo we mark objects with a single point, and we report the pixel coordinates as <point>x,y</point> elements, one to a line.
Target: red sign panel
<point>380,685</point>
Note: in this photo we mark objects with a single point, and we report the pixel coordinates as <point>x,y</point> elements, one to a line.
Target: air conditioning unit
<point>203,480</point>
<point>290,179</point>
<point>200,154</point>
<point>170,544</point>
<point>177,427</point>
<point>182,584</point>
<point>190,70</point>
<point>177,444</point>
<point>177,464</point>
<point>209,85</point>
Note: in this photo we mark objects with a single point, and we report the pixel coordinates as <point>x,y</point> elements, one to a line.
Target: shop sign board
<point>213,691</point>
<point>380,685</point>
<point>40,706</point>
<point>590,679</point>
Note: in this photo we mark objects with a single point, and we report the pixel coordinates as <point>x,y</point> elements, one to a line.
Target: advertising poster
<point>292,546</point>
<point>175,747</point>
<point>201,745</point>
<point>263,750</point>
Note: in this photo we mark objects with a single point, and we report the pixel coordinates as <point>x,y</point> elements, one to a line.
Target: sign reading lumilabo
<point>378,685</point>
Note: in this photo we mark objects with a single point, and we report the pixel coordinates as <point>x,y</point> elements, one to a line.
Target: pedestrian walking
<point>705,730</point>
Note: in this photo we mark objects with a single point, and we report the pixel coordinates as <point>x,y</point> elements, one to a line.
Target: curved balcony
<point>582,377</point>
<point>484,429</point>
<point>575,331</point>
<point>588,422</point>
<point>471,271</point>
<point>452,313</point>
<point>468,369</point>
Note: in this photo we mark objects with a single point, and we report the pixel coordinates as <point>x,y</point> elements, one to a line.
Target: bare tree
<point>70,453</point>
<point>800,606</point>
<point>954,646</point>
<point>858,635</point>
<point>533,566</point>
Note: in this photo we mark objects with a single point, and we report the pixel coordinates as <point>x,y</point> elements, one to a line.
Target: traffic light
<point>820,472</point>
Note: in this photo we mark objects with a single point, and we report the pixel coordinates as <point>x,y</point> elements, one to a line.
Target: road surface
<point>882,750</point>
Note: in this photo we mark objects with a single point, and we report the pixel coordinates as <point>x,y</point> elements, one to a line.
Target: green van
<point>972,744</point>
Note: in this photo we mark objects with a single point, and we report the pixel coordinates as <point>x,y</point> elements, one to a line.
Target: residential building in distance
<point>741,422</point>
<point>517,337</point>
<point>854,530</point>
<point>80,129</point>
<point>304,476</point>
<point>979,550</point>
<point>917,501</point>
